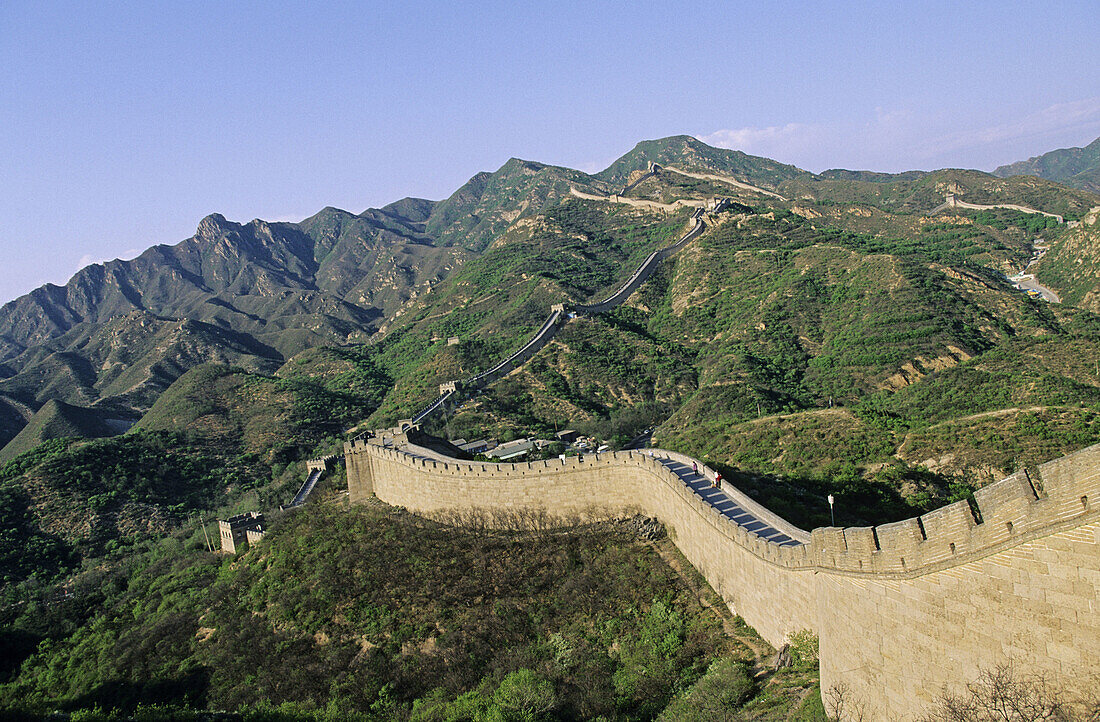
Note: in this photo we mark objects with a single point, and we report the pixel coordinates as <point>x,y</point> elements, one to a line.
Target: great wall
<point>950,201</point>
<point>902,610</point>
<point>449,391</point>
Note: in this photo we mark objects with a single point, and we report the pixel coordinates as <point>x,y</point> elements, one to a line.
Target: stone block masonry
<point>901,609</point>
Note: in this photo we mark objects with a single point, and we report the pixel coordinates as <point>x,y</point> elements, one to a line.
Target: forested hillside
<point>847,333</point>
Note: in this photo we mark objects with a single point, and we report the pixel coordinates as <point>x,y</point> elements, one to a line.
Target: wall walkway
<point>316,469</point>
<point>725,179</point>
<point>901,609</point>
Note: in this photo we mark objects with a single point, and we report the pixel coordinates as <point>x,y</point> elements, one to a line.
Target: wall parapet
<point>886,600</point>
<point>1008,510</point>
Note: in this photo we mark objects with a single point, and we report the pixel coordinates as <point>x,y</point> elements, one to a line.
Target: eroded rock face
<point>921,366</point>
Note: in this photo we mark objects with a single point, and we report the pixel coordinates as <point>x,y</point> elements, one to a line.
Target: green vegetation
<point>56,420</point>
<point>74,502</point>
<point>1076,167</point>
<point>1072,267</point>
<point>849,342</point>
<point>378,612</point>
<point>688,152</point>
<point>1002,218</point>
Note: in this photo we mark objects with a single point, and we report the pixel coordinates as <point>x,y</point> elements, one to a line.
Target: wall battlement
<point>1019,579</point>
<point>1010,510</point>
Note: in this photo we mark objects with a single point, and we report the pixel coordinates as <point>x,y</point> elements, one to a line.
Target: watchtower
<point>238,532</point>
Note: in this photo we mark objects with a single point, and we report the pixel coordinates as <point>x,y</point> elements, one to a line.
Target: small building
<point>238,532</point>
<point>567,437</point>
<point>512,449</point>
<point>476,447</point>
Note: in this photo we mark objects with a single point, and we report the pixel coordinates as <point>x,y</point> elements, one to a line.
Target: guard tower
<point>238,532</point>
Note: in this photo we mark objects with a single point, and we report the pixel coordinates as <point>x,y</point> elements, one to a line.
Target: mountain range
<point>878,340</point>
<point>259,294</point>
<point>1077,167</point>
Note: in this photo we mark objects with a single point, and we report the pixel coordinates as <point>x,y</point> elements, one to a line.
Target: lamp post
<point>832,516</point>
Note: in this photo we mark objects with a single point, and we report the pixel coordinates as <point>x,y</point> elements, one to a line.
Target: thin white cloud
<point>895,139</point>
<point>1079,117</point>
<point>787,143</point>
<point>88,259</point>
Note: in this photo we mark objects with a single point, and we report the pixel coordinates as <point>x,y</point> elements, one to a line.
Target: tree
<point>1003,694</point>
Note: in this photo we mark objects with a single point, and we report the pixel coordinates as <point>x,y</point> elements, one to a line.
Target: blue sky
<point>123,124</point>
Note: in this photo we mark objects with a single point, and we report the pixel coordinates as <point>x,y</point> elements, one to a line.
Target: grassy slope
<point>1077,167</point>
<point>780,312</point>
<point>1072,266</point>
<point>220,440</point>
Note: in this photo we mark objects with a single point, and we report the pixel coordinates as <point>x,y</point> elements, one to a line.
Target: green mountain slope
<point>123,365</point>
<point>268,280</point>
<point>373,614</point>
<point>692,154</point>
<point>919,193</point>
<point>860,292</point>
<point>485,207</point>
<point>1072,264</point>
<point>13,417</point>
<point>58,420</point>
<point>860,339</point>
<point>1077,167</point>
<point>279,420</point>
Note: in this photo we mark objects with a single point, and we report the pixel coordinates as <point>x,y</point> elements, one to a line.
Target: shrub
<point>803,647</point>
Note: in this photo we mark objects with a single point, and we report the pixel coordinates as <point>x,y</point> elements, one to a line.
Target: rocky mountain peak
<point>213,226</point>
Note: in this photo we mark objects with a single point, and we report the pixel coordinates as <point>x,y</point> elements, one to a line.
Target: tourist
<point>695,468</point>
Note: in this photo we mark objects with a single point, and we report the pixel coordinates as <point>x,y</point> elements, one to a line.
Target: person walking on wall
<point>695,468</point>
<point>717,480</point>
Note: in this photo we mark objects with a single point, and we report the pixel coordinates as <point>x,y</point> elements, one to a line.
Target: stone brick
<point>894,633</point>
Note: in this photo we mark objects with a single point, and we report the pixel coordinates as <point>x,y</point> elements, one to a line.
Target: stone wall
<point>640,202</point>
<point>646,269</point>
<point>953,202</point>
<point>559,314</point>
<point>901,609</point>
<point>727,180</point>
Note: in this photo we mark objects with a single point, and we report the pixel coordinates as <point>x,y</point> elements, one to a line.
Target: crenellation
<point>860,541</point>
<point>897,540</point>
<point>886,601</point>
<point>949,531</point>
<point>1007,502</point>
